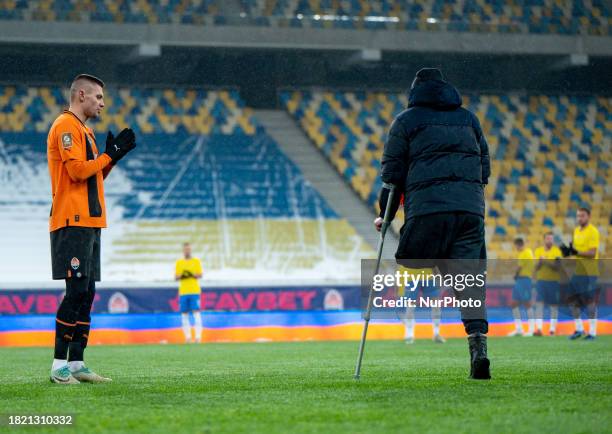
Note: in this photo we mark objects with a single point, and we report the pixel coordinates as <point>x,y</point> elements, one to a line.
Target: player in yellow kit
<point>548,288</point>
<point>522,291</point>
<point>581,293</point>
<point>187,271</point>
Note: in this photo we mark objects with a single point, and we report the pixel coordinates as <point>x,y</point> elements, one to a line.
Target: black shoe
<point>478,357</point>
<point>576,335</point>
<point>589,337</point>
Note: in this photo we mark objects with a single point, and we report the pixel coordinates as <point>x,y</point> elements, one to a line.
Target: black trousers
<point>455,243</point>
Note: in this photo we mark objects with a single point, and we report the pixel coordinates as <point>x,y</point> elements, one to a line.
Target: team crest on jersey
<point>67,140</point>
<point>75,263</point>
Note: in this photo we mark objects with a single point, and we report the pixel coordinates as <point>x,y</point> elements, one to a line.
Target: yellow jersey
<point>546,271</point>
<point>526,263</point>
<point>586,239</point>
<point>189,285</point>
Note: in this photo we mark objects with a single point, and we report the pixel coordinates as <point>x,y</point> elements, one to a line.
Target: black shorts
<point>75,252</point>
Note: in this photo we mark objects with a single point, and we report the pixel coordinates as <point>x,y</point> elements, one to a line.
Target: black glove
<point>117,147</point>
<point>187,274</point>
<point>566,250</point>
<point>572,250</point>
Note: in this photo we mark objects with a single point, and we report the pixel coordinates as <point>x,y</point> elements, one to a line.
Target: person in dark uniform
<point>437,157</point>
<point>78,212</point>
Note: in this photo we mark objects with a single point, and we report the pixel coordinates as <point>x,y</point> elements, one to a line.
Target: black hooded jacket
<point>436,154</point>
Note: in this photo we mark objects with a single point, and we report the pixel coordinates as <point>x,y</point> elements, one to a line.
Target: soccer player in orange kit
<point>78,212</point>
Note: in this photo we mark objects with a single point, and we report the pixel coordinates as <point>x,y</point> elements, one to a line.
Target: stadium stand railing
<point>550,154</point>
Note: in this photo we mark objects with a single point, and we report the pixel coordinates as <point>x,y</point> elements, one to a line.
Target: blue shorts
<point>582,285</point>
<point>548,291</point>
<point>425,291</point>
<point>522,289</point>
<point>189,302</point>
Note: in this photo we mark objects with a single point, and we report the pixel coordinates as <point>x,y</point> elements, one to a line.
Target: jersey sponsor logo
<point>75,263</point>
<point>67,140</point>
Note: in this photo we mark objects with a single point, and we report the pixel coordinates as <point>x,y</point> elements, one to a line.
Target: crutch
<point>381,242</point>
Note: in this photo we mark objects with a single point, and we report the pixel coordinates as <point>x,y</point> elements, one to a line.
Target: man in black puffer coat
<point>437,156</point>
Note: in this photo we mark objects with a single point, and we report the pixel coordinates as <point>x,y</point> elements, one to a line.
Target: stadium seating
<point>534,16</point>
<point>543,16</point>
<point>120,11</point>
<point>204,170</point>
<point>550,154</point>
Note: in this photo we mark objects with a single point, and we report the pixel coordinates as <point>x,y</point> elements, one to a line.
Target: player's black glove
<point>568,250</point>
<point>118,147</point>
<point>187,274</point>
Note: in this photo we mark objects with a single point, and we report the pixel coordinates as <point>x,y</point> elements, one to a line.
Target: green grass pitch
<point>539,385</point>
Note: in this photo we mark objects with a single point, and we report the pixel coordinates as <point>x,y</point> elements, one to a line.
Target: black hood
<point>436,94</point>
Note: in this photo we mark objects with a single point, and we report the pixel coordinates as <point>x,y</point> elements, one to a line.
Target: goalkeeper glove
<point>187,274</point>
<point>568,250</point>
<point>573,251</point>
<point>118,147</point>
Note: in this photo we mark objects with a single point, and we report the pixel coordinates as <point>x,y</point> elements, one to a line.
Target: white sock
<point>436,313</point>
<point>76,365</point>
<point>593,327</point>
<point>58,363</point>
<point>436,326</point>
<point>409,328</point>
<point>186,326</point>
<point>518,325</point>
<point>554,314</point>
<point>539,315</point>
<point>579,326</point>
<point>516,312</point>
<point>197,317</point>
<point>530,319</point>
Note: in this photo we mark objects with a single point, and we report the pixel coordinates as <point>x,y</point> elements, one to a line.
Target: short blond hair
<point>76,82</point>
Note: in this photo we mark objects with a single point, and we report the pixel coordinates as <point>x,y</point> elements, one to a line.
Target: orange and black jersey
<point>77,172</point>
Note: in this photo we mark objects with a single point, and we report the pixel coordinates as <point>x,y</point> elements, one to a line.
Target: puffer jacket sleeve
<point>394,163</point>
<point>484,150</point>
